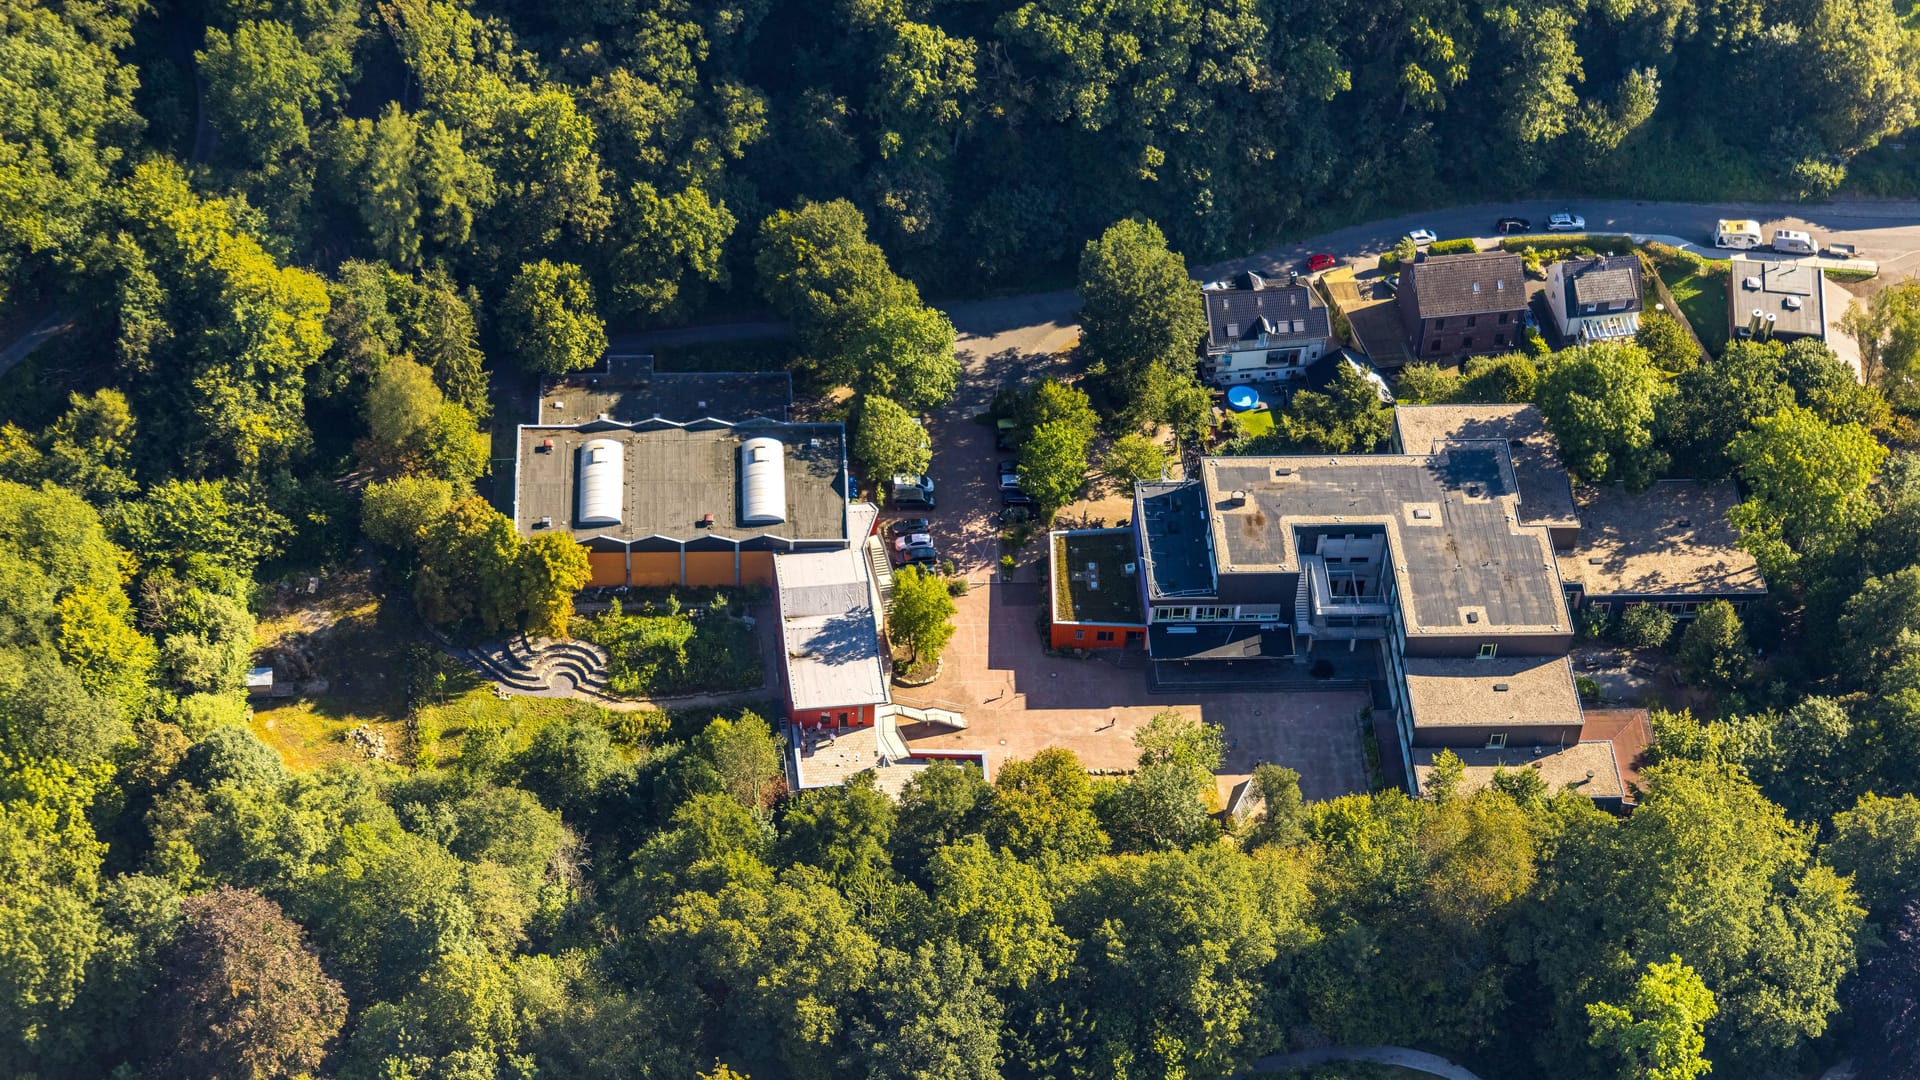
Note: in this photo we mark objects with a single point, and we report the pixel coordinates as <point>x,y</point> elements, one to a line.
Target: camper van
<point>1738,234</point>
<point>1792,242</point>
<point>908,490</point>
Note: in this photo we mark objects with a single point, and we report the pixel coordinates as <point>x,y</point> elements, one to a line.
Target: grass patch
<point>516,718</point>
<point>1850,276</point>
<point>351,657</point>
<point>752,354</point>
<point>1256,422</point>
<point>1701,292</point>
<point>665,649</point>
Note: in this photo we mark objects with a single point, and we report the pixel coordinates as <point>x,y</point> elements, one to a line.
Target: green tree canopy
<point>1141,312</point>
<point>1600,400</point>
<point>550,319</point>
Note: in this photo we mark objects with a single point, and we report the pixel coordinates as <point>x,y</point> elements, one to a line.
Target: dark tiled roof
<point>1289,311</point>
<point>1603,279</point>
<point>1474,284</point>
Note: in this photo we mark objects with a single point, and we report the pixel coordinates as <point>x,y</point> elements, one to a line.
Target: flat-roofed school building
<point>700,503</point>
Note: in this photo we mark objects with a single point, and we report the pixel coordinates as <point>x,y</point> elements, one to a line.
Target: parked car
<point>1013,496</point>
<point>921,555</point>
<point>1422,237</point>
<point>910,490</point>
<point>907,540</point>
<point>1015,515</point>
<point>909,526</point>
<point>1508,226</point>
<point>1841,251</point>
<point>1009,475</point>
<point>1566,221</point>
<point>1322,261</point>
<point>1793,242</point>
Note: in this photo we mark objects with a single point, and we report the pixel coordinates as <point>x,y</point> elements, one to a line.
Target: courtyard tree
<point>1053,465</point>
<point>1601,400</point>
<point>1132,458</point>
<point>1713,648</point>
<point>1645,626</point>
<point>922,615</point>
<point>549,318</point>
<point>887,440</point>
<point>1141,313</point>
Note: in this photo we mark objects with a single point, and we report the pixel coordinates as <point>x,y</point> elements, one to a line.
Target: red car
<point>1317,263</point>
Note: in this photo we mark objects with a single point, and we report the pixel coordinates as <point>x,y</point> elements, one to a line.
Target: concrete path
<point>1417,1060</point>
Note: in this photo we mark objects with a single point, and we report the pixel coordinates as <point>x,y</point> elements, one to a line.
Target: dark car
<point>1508,226</point>
<point>921,555</point>
<point>1007,434</point>
<point>909,526</point>
<point>1013,496</point>
<point>1317,263</point>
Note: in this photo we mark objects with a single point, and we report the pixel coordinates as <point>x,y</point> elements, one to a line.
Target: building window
<point>1473,320</point>
<point>825,717</point>
<point>1604,607</point>
<point>1503,318</point>
<point>1489,651</point>
<point>1079,635</point>
<point>1103,635</point>
<point>1497,741</point>
<point>1435,347</point>
<point>1466,342</point>
<point>1439,324</point>
<point>1499,340</point>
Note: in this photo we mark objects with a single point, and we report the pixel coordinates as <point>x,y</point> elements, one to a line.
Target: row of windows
<point>1682,608</point>
<point>1472,320</point>
<point>1098,635</point>
<point>1467,342</point>
<point>1181,614</point>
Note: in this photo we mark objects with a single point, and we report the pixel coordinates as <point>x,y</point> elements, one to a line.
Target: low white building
<point>1596,298</point>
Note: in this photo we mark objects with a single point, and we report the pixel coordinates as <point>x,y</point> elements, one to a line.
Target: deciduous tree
<point>922,614</point>
<point>1141,311</point>
<point>243,996</point>
<point>1656,1033</point>
<point>1600,400</point>
<point>549,318</point>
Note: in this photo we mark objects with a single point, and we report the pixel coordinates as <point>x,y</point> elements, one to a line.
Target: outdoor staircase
<point>914,710</point>
<point>882,568</point>
<point>543,667</point>
<point>1302,606</point>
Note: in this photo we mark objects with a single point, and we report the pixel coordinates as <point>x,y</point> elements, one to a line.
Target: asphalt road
<point>993,332</point>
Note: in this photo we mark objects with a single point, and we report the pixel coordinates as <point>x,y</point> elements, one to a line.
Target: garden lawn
<point>1257,422</point>
<point>1702,296</point>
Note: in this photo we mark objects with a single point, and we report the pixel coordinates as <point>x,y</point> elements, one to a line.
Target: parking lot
<point>1018,701</point>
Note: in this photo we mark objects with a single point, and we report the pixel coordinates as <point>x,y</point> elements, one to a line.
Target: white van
<point>1792,242</point>
<point>1742,235</point>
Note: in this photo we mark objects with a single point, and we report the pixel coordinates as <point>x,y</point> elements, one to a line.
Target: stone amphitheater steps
<point>542,666</point>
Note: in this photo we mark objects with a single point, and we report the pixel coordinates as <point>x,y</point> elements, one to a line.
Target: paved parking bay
<point>1018,701</point>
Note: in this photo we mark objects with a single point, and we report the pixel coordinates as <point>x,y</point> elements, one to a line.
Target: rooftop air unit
<point>763,481</point>
<point>602,476</point>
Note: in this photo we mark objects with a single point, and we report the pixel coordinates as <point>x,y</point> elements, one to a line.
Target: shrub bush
<point>1460,246</point>
<point>661,650</point>
<point>1646,627</point>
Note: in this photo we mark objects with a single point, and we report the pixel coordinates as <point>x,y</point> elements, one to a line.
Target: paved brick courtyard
<point>1018,701</point>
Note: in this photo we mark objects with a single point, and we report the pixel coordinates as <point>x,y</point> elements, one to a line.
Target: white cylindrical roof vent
<point>603,477</point>
<point>763,481</point>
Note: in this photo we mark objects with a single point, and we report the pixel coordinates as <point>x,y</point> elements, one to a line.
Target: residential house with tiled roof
<point>1261,330</point>
<point>1455,306</point>
<point>1596,298</point>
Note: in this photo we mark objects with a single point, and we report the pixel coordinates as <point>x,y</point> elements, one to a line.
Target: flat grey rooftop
<point>1546,495</point>
<point>1513,692</point>
<point>1789,291</point>
<point>1178,562</point>
<point>1463,561</point>
<point>629,388</point>
<point>677,474</point>
<point>1672,539</point>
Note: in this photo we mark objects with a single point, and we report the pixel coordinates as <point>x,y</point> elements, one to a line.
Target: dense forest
<point>304,244</point>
